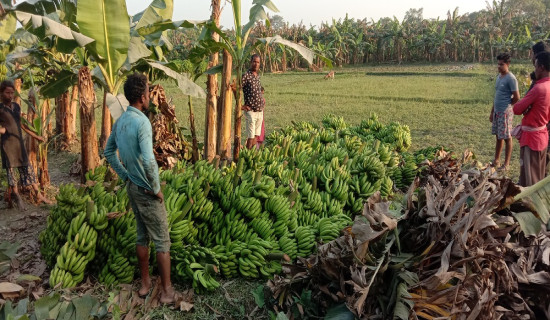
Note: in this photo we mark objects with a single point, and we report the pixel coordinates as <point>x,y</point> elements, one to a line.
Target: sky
<point>316,11</point>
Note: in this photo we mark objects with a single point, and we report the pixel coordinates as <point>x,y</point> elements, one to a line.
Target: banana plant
<point>38,127</point>
<point>240,50</point>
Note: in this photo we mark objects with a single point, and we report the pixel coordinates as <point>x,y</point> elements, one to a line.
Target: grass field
<point>443,104</point>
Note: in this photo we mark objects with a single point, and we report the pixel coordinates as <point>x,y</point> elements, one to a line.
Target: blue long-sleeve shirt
<point>132,135</point>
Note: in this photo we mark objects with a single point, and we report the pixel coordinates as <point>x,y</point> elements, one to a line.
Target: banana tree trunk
<point>105,122</point>
<point>62,122</point>
<point>226,104</point>
<point>70,120</point>
<point>88,139</point>
<point>31,144</point>
<point>238,115</point>
<point>210,131</point>
<point>44,175</point>
<point>17,84</point>
<point>195,153</point>
<point>60,103</point>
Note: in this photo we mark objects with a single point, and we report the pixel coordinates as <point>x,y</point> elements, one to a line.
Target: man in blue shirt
<point>132,136</point>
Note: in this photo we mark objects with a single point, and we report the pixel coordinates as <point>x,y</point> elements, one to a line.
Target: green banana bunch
<point>328,230</point>
<point>288,245</point>
<point>305,238</point>
<point>117,270</point>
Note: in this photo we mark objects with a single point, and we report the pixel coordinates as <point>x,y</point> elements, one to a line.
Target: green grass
<point>443,104</point>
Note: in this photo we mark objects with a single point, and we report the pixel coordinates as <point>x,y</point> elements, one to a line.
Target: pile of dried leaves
<point>460,245</point>
<point>169,141</point>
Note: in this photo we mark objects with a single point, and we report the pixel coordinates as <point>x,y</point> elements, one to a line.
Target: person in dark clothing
<point>14,154</point>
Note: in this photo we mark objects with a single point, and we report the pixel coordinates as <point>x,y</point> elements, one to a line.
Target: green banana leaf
<point>304,51</point>
<point>43,27</point>
<point>157,11</point>
<point>39,7</point>
<point>137,50</point>
<point>537,198</point>
<point>161,26</point>
<point>108,23</point>
<point>185,84</point>
<point>60,84</point>
<point>7,27</point>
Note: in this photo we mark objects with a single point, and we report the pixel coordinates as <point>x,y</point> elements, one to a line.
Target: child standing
<point>502,115</point>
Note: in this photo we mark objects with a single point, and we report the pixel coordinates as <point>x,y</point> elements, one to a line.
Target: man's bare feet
<point>145,288</point>
<point>43,199</point>
<point>168,296</point>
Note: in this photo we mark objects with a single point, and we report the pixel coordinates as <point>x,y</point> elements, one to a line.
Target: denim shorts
<point>151,218</point>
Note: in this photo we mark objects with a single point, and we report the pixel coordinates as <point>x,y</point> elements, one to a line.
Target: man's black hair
<point>6,84</point>
<point>135,87</point>
<point>254,56</point>
<point>543,59</point>
<point>505,56</point>
<point>539,47</point>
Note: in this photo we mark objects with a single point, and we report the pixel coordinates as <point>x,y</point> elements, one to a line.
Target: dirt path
<point>23,227</point>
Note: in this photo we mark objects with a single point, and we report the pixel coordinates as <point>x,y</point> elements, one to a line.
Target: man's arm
<point>515,97</point>
<point>492,113</point>
<point>30,133</point>
<point>112,157</point>
<point>145,136</point>
<point>525,102</point>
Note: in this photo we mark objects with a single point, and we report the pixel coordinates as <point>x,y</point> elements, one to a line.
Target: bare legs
<point>163,260</point>
<point>507,153</point>
<point>251,142</point>
<point>167,293</point>
<point>143,262</point>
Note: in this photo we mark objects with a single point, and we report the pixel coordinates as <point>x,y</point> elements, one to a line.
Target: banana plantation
<point>327,219</point>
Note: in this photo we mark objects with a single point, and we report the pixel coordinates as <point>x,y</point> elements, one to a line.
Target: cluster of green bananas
<point>263,226</point>
<point>75,255</point>
<point>338,188</point>
<point>363,187</point>
<point>334,122</point>
<point>97,174</point>
<point>118,269</point>
<point>250,259</point>
<point>249,206</point>
<point>196,263</point>
<point>328,230</point>
<point>70,203</point>
<point>305,238</point>
<point>183,232</point>
<point>403,176</point>
<point>288,245</point>
<point>232,226</point>
<point>278,207</point>
<point>98,217</point>
<point>203,277</point>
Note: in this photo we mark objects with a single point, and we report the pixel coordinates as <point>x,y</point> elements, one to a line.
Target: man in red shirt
<point>534,136</point>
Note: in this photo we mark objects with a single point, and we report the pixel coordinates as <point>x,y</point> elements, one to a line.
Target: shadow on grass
<point>382,98</point>
<point>423,74</point>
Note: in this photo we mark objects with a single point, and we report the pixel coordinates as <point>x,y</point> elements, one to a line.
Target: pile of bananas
<point>237,219</point>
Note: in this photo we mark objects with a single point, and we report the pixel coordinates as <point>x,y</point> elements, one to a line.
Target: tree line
<point>505,25</point>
